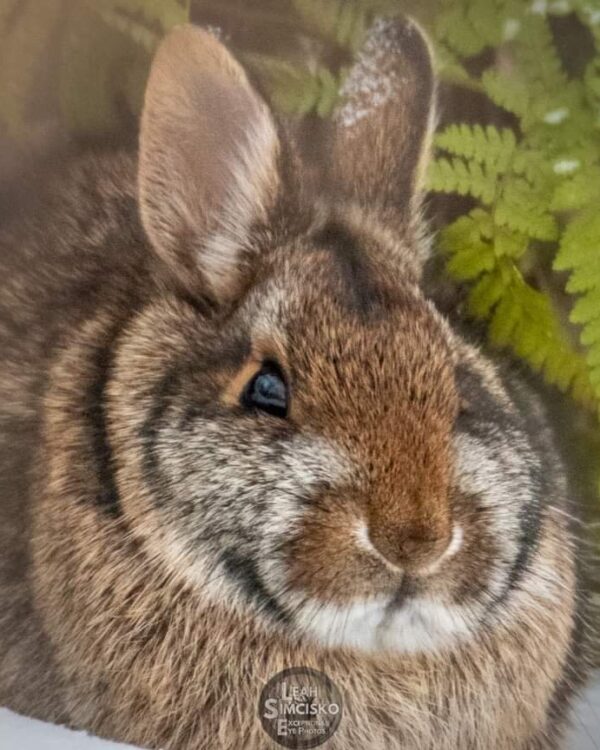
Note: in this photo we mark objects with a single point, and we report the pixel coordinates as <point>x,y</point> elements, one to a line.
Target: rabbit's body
<point>165,551</point>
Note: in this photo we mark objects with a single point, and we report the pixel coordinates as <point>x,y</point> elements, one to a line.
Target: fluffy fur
<point>165,551</point>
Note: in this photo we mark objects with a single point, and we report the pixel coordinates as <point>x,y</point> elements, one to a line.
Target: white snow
<point>21,733</point>
<point>585,734</point>
<point>371,82</point>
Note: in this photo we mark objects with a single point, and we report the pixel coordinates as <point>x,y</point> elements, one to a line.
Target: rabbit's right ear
<point>208,162</point>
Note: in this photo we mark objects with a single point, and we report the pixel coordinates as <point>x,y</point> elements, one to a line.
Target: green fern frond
<point>533,164</point>
<point>469,228</point>
<point>456,29</point>
<point>587,308</point>
<point>486,19</point>
<point>580,252</point>
<point>486,293</point>
<point>523,208</point>
<point>490,146</point>
<point>455,175</point>
<point>580,240</point>
<point>536,56</point>
<point>506,90</point>
<point>584,277</point>
<point>577,191</point>
<point>473,260</point>
<point>523,320</point>
<point>467,242</point>
<point>538,183</point>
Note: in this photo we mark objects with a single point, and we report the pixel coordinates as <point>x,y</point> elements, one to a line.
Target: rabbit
<point>237,437</point>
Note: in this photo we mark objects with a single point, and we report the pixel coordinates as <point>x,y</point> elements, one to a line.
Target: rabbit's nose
<point>413,548</point>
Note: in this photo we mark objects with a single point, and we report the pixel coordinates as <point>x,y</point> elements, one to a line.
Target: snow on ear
<point>208,162</point>
<point>382,129</point>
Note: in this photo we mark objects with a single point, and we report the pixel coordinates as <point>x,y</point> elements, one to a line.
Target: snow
<point>371,83</point>
<point>585,734</point>
<point>21,733</point>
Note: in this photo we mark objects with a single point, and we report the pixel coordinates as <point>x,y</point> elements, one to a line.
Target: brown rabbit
<point>235,438</point>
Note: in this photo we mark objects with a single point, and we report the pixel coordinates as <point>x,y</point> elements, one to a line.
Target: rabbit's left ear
<point>208,165</point>
<point>382,130</point>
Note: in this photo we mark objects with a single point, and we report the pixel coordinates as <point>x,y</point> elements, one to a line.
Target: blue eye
<point>267,391</point>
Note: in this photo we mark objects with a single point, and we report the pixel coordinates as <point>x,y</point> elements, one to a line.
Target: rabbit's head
<point>295,431</point>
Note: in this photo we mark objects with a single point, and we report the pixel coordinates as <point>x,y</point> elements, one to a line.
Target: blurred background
<point>514,188</point>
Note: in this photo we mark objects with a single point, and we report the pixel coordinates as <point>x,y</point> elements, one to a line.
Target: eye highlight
<point>267,391</point>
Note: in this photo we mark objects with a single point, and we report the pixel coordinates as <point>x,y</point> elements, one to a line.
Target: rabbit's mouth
<point>403,624</point>
<point>410,619</point>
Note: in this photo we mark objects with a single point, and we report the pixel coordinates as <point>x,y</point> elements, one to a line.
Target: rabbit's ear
<point>208,162</point>
<point>382,128</point>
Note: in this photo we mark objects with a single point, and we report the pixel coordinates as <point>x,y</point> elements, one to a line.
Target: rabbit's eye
<point>267,391</point>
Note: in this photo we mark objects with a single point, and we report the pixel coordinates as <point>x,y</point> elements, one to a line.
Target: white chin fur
<point>420,625</point>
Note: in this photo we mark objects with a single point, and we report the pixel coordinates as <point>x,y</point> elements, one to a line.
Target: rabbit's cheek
<point>499,495</point>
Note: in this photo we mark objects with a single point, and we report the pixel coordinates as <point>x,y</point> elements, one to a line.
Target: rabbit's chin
<point>419,625</point>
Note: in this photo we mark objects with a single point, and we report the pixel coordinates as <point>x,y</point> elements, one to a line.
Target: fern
<point>464,177</point>
<point>580,253</point>
<point>489,146</point>
<point>537,186</point>
<point>457,30</point>
<point>507,91</point>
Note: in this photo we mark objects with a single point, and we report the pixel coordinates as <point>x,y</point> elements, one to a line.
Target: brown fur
<point>165,551</point>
